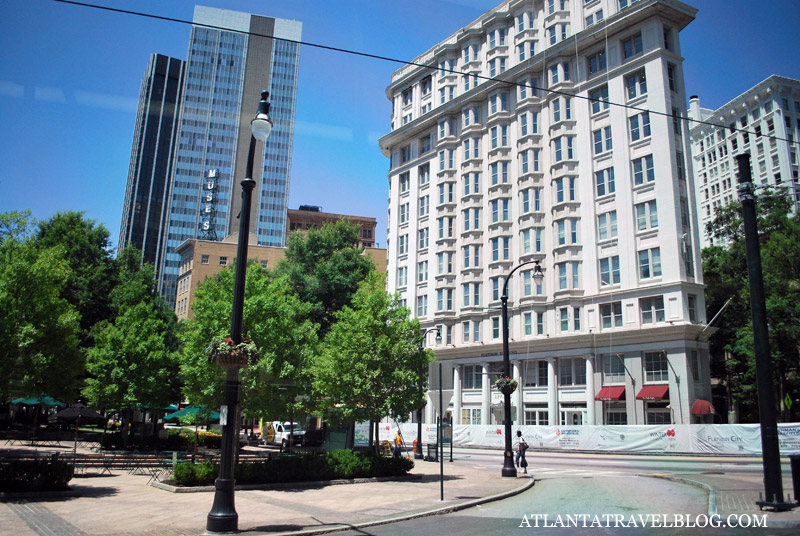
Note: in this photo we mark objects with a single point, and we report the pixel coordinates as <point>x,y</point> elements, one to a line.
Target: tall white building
<point>545,131</point>
<point>763,121</point>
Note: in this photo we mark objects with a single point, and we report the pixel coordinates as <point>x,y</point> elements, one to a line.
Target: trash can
<point>794,461</point>
<point>433,453</point>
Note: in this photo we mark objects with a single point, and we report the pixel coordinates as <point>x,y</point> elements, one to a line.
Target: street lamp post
<point>223,516</point>
<point>508,456</point>
<point>418,452</point>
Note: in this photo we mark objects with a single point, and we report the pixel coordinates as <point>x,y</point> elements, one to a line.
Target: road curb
<point>712,493</point>
<point>405,517</point>
<point>287,485</point>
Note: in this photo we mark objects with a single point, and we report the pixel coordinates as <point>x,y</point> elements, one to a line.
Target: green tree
<point>86,248</point>
<point>325,267</point>
<point>134,361</point>
<point>38,328</point>
<point>725,276</point>
<point>276,320</point>
<point>372,362</point>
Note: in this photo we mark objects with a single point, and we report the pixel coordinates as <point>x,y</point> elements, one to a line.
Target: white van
<point>277,433</point>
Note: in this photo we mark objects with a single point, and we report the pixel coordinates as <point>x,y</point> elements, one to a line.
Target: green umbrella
<point>195,412</point>
<point>33,401</point>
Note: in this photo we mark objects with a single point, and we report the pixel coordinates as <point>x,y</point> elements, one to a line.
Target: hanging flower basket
<point>228,355</point>
<point>506,385</point>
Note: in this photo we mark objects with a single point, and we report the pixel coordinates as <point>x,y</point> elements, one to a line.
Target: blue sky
<point>70,77</point>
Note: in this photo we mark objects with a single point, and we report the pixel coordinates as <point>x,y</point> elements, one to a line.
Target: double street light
<point>508,456</point>
<point>223,516</point>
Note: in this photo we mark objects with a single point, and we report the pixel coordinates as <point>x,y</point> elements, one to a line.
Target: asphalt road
<point>603,494</point>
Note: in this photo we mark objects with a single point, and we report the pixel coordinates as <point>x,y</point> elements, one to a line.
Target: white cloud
<point>11,89</point>
<point>109,102</point>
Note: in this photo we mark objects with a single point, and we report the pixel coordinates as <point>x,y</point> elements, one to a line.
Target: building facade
<point>312,217</point>
<point>550,131</point>
<point>764,121</point>
<point>231,59</point>
<point>144,213</point>
<point>201,259</point>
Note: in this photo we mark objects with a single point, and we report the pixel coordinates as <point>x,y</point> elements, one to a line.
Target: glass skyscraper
<point>232,58</point>
<point>144,215</point>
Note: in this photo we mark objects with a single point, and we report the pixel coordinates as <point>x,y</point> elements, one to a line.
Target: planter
<point>228,355</point>
<point>507,390</point>
<point>232,360</point>
<point>506,385</point>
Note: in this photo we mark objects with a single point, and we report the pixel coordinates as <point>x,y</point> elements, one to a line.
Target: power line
<point>432,67</point>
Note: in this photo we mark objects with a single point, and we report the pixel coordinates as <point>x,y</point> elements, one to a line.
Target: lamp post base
<point>223,516</point>
<point>508,465</point>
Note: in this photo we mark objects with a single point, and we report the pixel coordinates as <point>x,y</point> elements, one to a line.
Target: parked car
<point>277,433</point>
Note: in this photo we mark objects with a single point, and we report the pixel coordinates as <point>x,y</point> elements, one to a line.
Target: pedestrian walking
<point>522,446</point>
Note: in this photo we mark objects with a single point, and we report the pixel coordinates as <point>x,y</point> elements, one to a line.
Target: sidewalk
<point>737,494</point>
<point>124,504</point>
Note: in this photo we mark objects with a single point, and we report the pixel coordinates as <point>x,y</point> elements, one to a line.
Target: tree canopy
<point>87,251</point>
<point>275,319</point>
<point>372,363</point>
<point>324,268</point>
<point>725,275</point>
<point>134,361</point>
<point>38,328</point>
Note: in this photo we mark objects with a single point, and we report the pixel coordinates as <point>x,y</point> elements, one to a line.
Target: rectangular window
<point>652,309</point>
<point>692,306</point>
<point>611,315</point>
<point>402,244</point>
<point>473,374</point>
<point>602,140</point>
<point>640,126</point>
<point>599,99</point>
<point>656,367</point>
<point>223,261</point>
<point>632,46</point>
<point>423,238</point>
<point>607,225</point>
<point>643,170</point>
<point>597,62</point>
<point>646,215</point>
<point>204,259</point>
<point>604,182</point>
<point>673,86</point>
<point>422,272</point>
<point>402,276</point>
<point>609,271</point>
<point>422,305</point>
<point>613,369</point>
<point>424,173</point>
<point>636,85</point>
<point>650,263</point>
<point>423,206</point>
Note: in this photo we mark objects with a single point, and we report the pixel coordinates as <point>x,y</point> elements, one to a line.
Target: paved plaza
<point>125,504</point>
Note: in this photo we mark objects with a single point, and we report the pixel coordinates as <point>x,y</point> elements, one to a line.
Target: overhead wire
<point>434,67</point>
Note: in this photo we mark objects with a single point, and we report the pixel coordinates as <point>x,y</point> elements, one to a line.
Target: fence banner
<point>743,439</point>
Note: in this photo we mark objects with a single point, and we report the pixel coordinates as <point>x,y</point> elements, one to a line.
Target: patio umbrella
<point>72,414</point>
<point>33,401</point>
<point>193,413</point>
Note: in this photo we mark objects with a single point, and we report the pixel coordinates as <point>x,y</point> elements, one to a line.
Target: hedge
<point>46,474</point>
<point>298,468</point>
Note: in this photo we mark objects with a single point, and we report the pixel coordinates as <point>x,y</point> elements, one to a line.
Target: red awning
<point>703,407</point>
<point>611,393</point>
<point>654,392</point>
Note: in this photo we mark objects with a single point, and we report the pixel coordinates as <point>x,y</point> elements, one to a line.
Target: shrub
<point>46,474</point>
<point>298,468</point>
<point>191,474</point>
